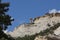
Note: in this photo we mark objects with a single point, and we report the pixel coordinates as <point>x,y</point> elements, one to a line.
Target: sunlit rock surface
<point>39,24</point>
<point>40,38</point>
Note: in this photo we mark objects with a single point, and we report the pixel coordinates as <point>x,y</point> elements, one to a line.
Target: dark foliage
<point>5,21</point>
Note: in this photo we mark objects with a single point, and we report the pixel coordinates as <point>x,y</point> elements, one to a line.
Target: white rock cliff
<point>39,24</point>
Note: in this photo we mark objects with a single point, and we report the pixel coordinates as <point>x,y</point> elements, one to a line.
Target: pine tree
<point>5,20</point>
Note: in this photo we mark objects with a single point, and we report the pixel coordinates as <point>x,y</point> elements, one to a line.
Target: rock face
<point>38,24</point>
<point>40,38</point>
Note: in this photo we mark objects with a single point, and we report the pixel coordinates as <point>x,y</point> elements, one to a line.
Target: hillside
<point>42,25</point>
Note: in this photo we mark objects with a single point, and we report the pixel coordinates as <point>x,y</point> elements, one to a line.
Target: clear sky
<point>22,10</point>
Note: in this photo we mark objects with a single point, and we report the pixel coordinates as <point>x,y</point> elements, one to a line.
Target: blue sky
<point>22,10</point>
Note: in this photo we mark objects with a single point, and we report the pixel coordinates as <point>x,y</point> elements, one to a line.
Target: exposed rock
<point>40,38</point>
<point>40,24</point>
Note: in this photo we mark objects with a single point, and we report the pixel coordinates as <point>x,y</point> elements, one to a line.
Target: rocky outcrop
<point>40,24</point>
<point>46,24</point>
<point>40,38</point>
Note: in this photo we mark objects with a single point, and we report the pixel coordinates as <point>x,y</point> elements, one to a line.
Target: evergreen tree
<point>5,20</point>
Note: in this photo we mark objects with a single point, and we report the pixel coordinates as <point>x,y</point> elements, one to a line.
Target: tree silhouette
<point>5,20</point>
